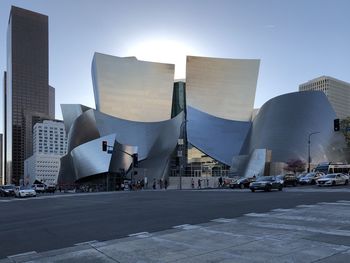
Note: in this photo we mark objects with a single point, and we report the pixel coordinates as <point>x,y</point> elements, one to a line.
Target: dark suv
<point>290,179</point>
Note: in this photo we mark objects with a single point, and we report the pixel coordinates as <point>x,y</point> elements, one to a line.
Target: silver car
<point>333,179</point>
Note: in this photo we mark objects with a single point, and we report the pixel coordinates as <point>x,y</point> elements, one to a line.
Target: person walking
<point>166,184</point>
<point>154,184</point>
<point>192,183</point>
<point>199,184</point>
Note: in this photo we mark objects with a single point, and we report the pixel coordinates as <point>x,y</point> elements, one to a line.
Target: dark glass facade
<point>27,88</point>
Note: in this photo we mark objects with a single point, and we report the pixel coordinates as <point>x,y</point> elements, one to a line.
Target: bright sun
<point>165,51</point>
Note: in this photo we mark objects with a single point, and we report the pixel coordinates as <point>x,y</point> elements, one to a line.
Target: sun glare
<point>165,51</point>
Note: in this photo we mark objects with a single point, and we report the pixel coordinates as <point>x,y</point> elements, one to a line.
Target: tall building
<point>337,91</point>
<point>49,145</point>
<point>26,93</point>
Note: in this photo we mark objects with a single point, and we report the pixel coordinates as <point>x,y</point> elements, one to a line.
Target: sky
<point>296,40</point>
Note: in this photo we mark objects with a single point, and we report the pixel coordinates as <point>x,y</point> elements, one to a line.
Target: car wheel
<point>280,188</point>
<point>313,182</point>
<point>295,184</point>
<point>333,183</point>
<point>346,182</point>
<point>267,188</point>
<point>253,190</point>
<point>241,186</point>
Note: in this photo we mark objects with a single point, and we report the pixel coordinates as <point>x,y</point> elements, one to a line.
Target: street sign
<point>180,141</point>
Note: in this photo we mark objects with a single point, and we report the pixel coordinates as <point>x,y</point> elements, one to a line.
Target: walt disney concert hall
<point>141,110</point>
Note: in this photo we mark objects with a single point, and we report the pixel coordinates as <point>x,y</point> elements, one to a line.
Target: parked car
<point>310,178</point>
<point>23,191</point>
<point>50,188</point>
<point>242,182</point>
<point>39,188</point>
<point>266,183</point>
<point>333,179</point>
<point>288,179</point>
<point>7,190</point>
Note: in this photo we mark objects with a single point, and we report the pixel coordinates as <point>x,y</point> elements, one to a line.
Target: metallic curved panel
<point>131,89</point>
<point>70,112</point>
<point>219,138</point>
<point>89,159</point>
<point>284,123</point>
<point>153,141</point>
<point>83,130</point>
<point>224,88</point>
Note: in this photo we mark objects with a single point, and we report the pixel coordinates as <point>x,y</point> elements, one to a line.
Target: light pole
<point>182,145</point>
<point>309,144</point>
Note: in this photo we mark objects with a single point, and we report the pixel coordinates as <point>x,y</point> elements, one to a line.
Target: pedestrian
<point>145,180</point>
<point>154,184</point>
<point>192,183</point>
<point>160,183</point>
<point>199,184</point>
<point>165,184</point>
<point>220,181</point>
<point>60,188</point>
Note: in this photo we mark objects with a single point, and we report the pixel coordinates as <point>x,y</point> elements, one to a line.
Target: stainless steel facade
<point>224,88</point>
<point>284,123</point>
<point>153,141</point>
<point>219,138</point>
<point>131,89</point>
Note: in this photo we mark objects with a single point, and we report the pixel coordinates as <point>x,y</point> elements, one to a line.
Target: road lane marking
<point>281,210</point>
<point>22,254</point>
<point>224,220</point>
<point>140,235</point>
<point>186,227</point>
<point>86,243</point>
<point>305,206</point>
<point>330,203</point>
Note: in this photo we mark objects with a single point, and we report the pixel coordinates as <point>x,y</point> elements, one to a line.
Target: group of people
<point>161,183</point>
<point>199,183</point>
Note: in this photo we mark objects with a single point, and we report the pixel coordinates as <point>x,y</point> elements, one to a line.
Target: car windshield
<point>265,178</point>
<point>24,188</point>
<point>310,175</point>
<point>8,187</point>
<point>330,175</point>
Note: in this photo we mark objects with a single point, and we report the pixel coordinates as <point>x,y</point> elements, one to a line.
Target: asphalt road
<point>41,224</point>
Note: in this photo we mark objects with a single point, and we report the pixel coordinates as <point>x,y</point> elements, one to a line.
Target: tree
<point>345,128</point>
<point>295,165</point>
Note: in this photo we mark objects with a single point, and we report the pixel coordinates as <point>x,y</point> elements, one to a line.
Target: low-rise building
<point>49,145</point>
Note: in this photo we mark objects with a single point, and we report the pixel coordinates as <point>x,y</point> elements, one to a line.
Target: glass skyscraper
<point>26,90</point>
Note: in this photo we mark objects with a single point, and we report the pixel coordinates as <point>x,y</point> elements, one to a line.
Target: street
<point>59,221</point>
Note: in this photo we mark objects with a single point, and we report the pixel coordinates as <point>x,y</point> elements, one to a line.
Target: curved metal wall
<point>284,123</point>
<point>154,141</point>
<point>222,87</point>
<point>132,89</point>
<point>219,138</point>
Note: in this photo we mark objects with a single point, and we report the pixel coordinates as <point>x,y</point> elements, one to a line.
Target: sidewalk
<point>306,233</point>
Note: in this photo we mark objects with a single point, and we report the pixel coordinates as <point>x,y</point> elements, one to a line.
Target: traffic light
<point>104,146</point>
<point>135,160</point>
<point>336,125</point>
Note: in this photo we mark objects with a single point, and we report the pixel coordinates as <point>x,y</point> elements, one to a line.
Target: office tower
<point>337,91</point>
<point>26,87</point>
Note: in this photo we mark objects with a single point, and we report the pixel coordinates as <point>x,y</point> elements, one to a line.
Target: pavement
<point>308,232</point>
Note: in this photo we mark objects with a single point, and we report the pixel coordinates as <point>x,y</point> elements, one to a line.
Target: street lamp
<point>309,144</point>
<point>182,143</point>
